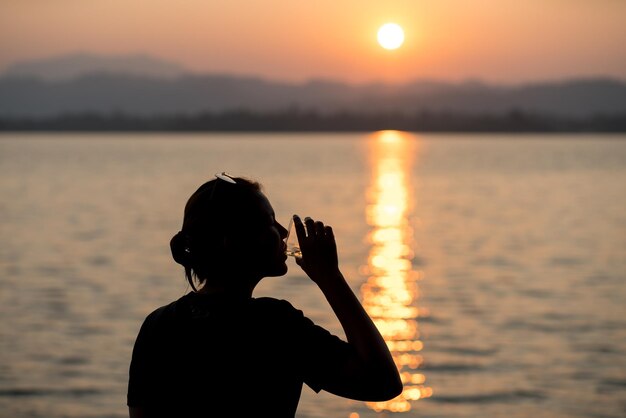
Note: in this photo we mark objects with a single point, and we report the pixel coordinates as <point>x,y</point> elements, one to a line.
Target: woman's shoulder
<point>279,309</point>
<point>160,315</point>
<point>262,308</point>
<point>273,304</point>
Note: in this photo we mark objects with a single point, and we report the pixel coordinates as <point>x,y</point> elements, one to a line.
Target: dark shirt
<point>201,356</point>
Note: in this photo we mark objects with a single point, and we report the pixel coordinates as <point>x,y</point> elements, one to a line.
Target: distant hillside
<point>143,86</point>
<point>75,65</point>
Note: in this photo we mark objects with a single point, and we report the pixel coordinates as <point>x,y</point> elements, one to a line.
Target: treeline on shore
<point>303,121</point>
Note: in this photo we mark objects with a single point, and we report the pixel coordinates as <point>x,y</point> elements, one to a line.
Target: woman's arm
<point>371,373</point>
<point>136,412</point>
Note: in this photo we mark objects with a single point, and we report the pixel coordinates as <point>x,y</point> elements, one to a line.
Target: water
<point>493,265</point>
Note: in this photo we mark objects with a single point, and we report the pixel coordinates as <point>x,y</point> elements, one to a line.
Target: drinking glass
<point>293,246</point>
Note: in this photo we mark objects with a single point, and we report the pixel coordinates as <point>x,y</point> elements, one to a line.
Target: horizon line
<point>187,72</point>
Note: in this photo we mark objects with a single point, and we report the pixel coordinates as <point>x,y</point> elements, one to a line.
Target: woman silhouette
<point>219,352</point>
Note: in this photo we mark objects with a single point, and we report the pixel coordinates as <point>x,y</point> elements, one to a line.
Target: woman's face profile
<point>258,241</point>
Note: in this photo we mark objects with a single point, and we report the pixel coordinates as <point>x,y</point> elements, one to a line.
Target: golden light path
<point>391,292</point>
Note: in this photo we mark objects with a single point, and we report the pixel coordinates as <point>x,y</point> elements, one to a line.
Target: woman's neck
<point>237,287</point>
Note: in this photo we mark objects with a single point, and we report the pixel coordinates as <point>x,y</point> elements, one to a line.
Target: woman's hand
<point>370,373</point>
<point>319,250</point>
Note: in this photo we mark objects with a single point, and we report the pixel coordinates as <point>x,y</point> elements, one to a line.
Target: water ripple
<point>490,397</point>
<point>33,392</point>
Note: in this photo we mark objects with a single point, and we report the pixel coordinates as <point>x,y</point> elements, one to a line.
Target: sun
<point>390,36</point>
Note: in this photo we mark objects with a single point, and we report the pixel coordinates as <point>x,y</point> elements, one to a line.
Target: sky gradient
<point>502,41</point>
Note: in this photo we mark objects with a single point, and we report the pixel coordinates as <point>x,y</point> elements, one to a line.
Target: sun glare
<point>390,36</point>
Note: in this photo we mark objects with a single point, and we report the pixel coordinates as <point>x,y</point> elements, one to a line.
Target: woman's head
<point>229,230</point>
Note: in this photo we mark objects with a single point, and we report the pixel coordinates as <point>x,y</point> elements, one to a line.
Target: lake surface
<point>494,265</point>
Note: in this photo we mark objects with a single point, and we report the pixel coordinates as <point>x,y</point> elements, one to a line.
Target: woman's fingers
<point>319,250</point>
<point>315,234</point>
<point>315,230</point>
<point>319,230</point>
<point>300,231</point>
<point>330,237</point>
<point>310,227</point>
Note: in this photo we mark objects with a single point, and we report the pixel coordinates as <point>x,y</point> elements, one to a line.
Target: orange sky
<point>505,41</point>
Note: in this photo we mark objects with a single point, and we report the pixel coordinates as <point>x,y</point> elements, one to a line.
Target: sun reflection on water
<point>391,292</point>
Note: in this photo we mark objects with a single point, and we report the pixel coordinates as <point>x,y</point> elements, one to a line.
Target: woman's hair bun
<point>179,245</point>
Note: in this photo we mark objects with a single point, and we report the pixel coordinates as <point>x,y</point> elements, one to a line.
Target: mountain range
<point>66,67</point>
<point>140,85</point>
